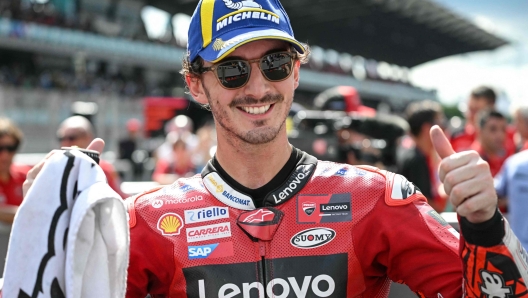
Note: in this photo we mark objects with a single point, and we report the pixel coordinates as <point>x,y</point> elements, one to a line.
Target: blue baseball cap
<point>218,27</point>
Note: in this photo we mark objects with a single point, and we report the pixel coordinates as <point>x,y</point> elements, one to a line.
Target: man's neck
<point>5,176</point>
<point>253,165</point>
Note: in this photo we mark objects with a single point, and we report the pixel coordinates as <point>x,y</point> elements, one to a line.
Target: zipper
<point>262,251</point>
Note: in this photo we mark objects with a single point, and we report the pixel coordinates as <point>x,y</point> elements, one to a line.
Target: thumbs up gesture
<point>467,180</point>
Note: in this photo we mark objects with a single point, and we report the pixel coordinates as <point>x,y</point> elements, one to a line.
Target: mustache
<point>248,100</point>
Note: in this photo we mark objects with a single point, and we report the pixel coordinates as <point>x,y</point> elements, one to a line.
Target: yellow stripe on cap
<point>206,17</point>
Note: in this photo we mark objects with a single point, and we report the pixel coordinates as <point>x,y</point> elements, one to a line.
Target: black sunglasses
<point>233,74</point>
<point>9,148</point>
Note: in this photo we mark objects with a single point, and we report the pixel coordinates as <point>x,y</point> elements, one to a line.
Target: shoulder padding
<point>131,201</point>
<point>400,191</point>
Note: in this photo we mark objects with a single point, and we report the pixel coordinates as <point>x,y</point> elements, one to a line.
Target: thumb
<point>97,144</point>
<point>440,142</point>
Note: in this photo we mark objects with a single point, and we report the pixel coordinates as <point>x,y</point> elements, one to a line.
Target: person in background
<point>12,176</point>
<point>78,131</point>
<point>420,163</point>
<point>128,145</point>
<point>520,120</point>
<point>179,165</point>
<point>481,98</point>
<point>490,142</point>
<point>511,184</point>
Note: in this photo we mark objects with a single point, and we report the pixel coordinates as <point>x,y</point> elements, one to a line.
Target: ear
<point>196,89</point>
<point>296,73</point>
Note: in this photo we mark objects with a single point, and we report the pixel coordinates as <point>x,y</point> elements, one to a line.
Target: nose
<point>257,86</point>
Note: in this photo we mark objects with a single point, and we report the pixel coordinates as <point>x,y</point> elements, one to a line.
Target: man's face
<point>475,105</point>
<point>493,134</point>
<point>69,137</point>
<point>7,143</point>
<point>255,113</point>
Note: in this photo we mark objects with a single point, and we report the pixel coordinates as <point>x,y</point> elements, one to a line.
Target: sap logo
<point>203,233</point>
<point>218,187</point>
<point>157,203</point>
<point>321,286</point>
<point>342,172</point>
<point>313,238</point>
<point>214,250</point>
<point>289,189</point>
<point>205,214</point>
<point>201,252</point>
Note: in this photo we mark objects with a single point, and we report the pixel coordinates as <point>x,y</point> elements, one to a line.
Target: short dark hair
<point>484,116</point>
<point>422,112</point>
<point>8,128</point>
<point>485,92</point>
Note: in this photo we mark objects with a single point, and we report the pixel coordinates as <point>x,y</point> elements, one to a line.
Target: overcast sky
<point>506,68</point>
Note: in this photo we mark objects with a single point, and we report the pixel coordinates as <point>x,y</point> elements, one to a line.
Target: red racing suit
<point>330,230</point>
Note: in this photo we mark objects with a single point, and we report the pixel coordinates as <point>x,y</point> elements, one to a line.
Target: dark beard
<point>254,138</point>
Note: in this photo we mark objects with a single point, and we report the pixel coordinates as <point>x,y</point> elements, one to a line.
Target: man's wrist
<point>487,233</point>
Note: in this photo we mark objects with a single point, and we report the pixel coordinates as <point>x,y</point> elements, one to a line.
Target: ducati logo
<point>309,207</point>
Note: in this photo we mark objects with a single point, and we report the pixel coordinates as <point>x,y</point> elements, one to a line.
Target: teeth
<point>256,110</point>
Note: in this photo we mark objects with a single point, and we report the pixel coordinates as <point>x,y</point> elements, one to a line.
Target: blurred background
<point>380,74</point>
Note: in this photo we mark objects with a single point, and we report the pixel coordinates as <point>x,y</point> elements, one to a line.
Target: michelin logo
<point>249,9</point>
<point>241,4</point>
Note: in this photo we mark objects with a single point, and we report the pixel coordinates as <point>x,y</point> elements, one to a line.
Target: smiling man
<point>265,219</point>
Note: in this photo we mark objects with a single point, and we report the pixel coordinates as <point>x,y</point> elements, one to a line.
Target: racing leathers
<point>329,230</point>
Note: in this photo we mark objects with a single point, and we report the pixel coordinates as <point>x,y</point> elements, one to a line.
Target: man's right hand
<point>97,145</point>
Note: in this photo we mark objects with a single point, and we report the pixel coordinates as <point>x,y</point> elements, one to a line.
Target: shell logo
<point>170,224</point>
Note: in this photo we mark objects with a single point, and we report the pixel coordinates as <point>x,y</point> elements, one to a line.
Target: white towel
<point>70,236</point>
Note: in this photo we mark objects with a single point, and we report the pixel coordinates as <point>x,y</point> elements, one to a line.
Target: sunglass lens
<point>8,148</point>
<point>233,74</point>
<point>276,67</point>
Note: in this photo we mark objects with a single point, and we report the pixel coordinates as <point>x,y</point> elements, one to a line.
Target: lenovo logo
<point>321,286</point>
<point>295,183</point>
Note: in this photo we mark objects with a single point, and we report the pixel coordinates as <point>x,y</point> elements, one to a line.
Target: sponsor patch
<point>293,185</point>
<point>341,172</point>
<point>186,188</point>
<point>210,251</point>
<point>292,277</point>
<point>312,238</point>
<point>403,188</point>
<point>202,233</point>
<point>261,223</point>
<point>170,224</point>
<point>226,194</point>
<point>187,201</point>
<point>324,208</point>
<point>205,214</point>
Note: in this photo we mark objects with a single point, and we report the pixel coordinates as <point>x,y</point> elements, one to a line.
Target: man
<point>520,117</point>
<point>420,164</point>
<point>481,99</point>
<point>12,176</point>
<point>490,142</point>
<point>512,187</point>
<point>267,220</point>
<point>78,131</point>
